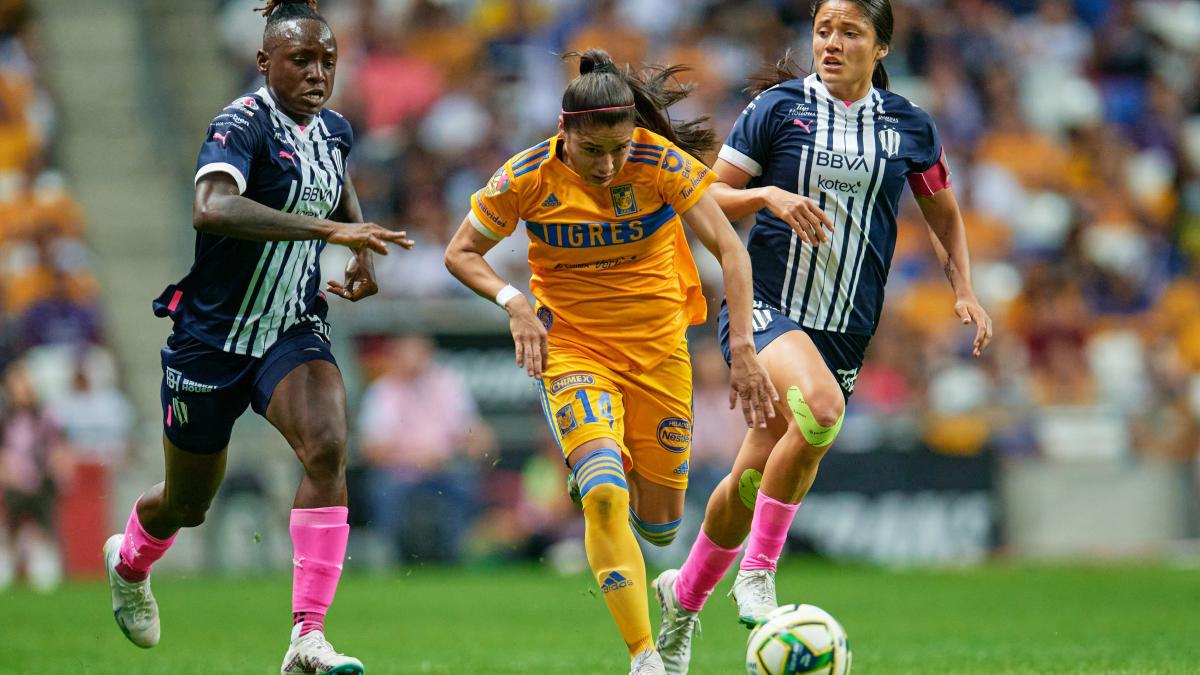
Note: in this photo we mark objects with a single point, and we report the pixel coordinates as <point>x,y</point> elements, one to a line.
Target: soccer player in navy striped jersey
<point>271,189</point>
<point>822,161</point>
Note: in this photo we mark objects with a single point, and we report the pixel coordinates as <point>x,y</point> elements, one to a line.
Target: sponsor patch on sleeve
<point>499,182</point>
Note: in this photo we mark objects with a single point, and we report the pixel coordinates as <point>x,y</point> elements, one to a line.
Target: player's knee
<point>827,407</point>
<point>817,416</point>
<point>659,534</point>
<point>606,501</point>
<point>324,454</point>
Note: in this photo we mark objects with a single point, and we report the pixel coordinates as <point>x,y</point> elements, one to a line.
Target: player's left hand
<point>360,278</point>
<point>749,383</point>
<point>970,311</point>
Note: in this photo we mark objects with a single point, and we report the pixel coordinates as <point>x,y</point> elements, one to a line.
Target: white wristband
<point>507,293</point>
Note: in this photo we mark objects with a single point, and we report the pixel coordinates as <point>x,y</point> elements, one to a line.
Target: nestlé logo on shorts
<point>675,434</point>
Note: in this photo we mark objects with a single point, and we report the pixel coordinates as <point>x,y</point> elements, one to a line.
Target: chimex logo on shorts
<point>675,434</point>
<point>570,381</point>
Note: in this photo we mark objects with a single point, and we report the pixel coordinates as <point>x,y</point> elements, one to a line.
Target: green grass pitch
<point>1143,620</point>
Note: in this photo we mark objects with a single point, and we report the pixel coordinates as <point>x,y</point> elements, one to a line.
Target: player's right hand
<point>750,384</point>
<point>529,336</point>
<point>803,214</point>
<point>367,235</point>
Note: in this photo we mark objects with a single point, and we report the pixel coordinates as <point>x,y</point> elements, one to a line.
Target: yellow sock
<point>617,562</point>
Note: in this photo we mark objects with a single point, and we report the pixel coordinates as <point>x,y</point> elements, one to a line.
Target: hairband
<point>596,110</point>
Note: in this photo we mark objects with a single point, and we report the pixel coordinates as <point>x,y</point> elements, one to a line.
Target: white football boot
<point>754,593</point>
<point>647,663</point>
<point>133,604</point>
<point>311,654</point>
<point>678,627</point>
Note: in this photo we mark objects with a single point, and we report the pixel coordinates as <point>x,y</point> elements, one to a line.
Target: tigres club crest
<point>545,316</point>
<point>498,183</point>
<point>565,418</point>
<point>623,201</point>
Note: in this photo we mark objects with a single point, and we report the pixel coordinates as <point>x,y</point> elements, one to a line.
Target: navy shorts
<point>843,352</point>
<point>204,390</point>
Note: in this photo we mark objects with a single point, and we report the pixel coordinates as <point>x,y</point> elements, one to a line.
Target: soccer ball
<point>798,639</point>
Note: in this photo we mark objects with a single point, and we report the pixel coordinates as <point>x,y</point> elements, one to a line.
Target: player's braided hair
<point>650,90</point>
<point>282,10</point>
<point>279,11</point>
<point>878,12</point>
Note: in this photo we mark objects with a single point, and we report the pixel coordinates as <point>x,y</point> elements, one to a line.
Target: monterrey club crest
<point>889,141</point>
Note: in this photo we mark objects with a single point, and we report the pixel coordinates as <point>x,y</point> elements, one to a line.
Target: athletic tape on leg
<point>816,435</point>
<point>748,487</point>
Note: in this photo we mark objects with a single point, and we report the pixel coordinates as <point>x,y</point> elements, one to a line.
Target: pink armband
<point>932,181</point>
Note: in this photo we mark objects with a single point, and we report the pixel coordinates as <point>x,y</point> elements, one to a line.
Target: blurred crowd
<point>1073,133</point>
<point>64,421</point>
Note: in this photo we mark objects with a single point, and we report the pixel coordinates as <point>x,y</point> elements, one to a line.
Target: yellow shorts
<point>648,415</point>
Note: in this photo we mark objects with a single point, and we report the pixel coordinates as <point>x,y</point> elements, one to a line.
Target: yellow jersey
<point>612,272</point>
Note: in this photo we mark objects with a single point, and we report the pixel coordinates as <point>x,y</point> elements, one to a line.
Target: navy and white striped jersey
<point>854,161</point>
<point>241,295</point>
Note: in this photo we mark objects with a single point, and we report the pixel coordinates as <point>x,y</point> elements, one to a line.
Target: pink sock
<point>319,544</point>
<point>140,549</point>
<point>768,532</point>
<point>701,572</point>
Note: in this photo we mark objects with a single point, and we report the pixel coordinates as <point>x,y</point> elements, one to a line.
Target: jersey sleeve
<point>230,145</point>
<point>749,142</point>
<point>495,209</point>
<point>340,126</point>
<point>928,144</point>
<point>683,179</point>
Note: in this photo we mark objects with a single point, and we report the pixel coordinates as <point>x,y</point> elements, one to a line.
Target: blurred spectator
<point>45,266</point>
<point>528,515</point>
<point>604,25</point>
<point>421,436</point>
<point>35,464</point>
<point>58,318</point>
<point>96,419</point>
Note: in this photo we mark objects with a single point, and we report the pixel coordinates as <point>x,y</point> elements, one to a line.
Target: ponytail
<point>605,94</point>
<point>772,74</point>
<point>879,78</point>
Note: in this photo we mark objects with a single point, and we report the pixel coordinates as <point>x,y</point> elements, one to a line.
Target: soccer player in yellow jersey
<point>615,288</point>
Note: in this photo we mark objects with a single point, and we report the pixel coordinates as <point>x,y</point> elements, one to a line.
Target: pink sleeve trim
<point>932,181</point>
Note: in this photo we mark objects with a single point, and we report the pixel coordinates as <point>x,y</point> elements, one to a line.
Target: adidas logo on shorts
<point>682,469</point>
<point>551,201</point>
<point>614,582</point>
